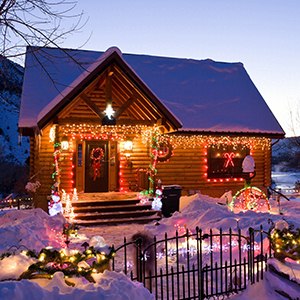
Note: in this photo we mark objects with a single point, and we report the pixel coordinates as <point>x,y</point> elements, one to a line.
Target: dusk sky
<point>262,34</point>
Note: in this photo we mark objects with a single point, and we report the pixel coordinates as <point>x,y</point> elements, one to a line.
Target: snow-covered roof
<point>205,95</point>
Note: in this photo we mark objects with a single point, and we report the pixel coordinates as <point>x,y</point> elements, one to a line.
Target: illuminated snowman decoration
<point>55,205</point>
<point>157,203</point>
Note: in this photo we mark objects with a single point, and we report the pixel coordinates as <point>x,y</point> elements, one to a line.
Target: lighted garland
<point>76,264</point>
<point>285,241</point>
<point>100,132</point>
<point>195,141</point>
<point>54,204</point>
<point>154,158</point>
<point>120,133</point>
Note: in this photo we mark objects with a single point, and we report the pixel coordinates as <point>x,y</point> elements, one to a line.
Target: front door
<point>96,167</point>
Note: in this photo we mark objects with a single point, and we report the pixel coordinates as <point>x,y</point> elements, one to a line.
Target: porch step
<point>109,208</point>
<point>114,215</point>
<point>104,203</point>
<point>99,211</point>
<point>135,220</point>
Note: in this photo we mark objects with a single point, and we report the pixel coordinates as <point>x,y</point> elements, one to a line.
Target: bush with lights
<point>70,262</point>
<point>95,258</point>
<point>285,241</point>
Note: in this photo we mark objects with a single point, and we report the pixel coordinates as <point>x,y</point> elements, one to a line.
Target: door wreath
<point>97,155</point>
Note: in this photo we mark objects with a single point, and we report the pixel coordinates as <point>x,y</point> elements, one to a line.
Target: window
<point>79,155</point>
<point>225,161</point>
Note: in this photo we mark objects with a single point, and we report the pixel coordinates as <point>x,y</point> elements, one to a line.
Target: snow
<point>221,96</point>
<point>110,285</point>
<point>34,229</point>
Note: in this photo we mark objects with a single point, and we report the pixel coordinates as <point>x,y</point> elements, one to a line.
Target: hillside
<point>11,78</point>
<point>13,154</point>
<point>286,155</point>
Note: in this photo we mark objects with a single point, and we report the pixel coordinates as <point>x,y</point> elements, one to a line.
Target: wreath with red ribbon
<point>96,157</point>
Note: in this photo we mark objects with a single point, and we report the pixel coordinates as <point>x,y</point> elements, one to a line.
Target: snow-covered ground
<point>34,229</point>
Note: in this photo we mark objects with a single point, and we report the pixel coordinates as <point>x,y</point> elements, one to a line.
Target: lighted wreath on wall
<point>97,155</point>
<point>164,151</point>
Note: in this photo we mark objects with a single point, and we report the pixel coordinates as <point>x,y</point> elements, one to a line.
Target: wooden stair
<point>111,211</point>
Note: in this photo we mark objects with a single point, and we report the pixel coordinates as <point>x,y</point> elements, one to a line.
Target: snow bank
<point>270,288</point>
<point>34,229</point>
<point>13,266</point>
<point>289,268</point>
<point>109,285</point>
<point>212,213</point>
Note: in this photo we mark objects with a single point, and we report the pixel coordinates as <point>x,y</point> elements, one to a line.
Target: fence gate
<point>195,265</point>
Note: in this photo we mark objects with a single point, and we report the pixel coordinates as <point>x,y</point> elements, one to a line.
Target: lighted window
<point>225,161</point>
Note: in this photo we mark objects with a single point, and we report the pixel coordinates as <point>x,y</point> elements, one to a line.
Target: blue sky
<point>262,34</point>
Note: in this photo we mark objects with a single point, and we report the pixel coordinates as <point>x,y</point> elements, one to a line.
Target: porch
<point>94,209</point>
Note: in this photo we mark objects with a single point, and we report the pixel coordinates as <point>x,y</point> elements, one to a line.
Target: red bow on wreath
<point>96,156</point>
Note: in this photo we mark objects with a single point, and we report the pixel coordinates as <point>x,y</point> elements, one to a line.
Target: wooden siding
<point>131,168</point>
<point>187,168</point>
<point>127,169</point>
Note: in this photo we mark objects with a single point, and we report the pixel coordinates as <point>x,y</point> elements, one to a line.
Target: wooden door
<point>96,167</point>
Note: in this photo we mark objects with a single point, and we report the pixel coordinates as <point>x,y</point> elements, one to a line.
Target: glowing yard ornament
<point>68,206</point>
<point>157,204</point>
<point>75,196</point>
<point>55,206</point>
<point>63,196</point>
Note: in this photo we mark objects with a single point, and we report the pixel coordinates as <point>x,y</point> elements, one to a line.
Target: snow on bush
<point>13,266</point>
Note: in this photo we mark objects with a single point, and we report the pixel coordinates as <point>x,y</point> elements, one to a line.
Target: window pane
<point>226,161</point>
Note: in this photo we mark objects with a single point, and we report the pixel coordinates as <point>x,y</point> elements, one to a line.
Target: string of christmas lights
<point>121,132</point>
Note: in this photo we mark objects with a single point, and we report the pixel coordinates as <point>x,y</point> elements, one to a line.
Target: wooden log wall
<point>41,166</point>
<point>187,168</point>
<point>132,175</point>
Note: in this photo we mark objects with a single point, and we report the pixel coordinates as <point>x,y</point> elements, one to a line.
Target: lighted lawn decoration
<point>95,258</point>
<point>250,197</point>
<point>285,241</point>
<point>70,263</point>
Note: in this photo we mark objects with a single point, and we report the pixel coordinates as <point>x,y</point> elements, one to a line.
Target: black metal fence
<point>196,265</point>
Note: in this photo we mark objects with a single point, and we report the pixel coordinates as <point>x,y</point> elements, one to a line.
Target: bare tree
<point>295,124</point>
<point>36,23</point>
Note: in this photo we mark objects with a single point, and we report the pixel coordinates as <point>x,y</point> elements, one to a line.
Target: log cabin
<point>107,121</point>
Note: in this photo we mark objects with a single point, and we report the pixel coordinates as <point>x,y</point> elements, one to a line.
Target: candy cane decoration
<point>229,159</point>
